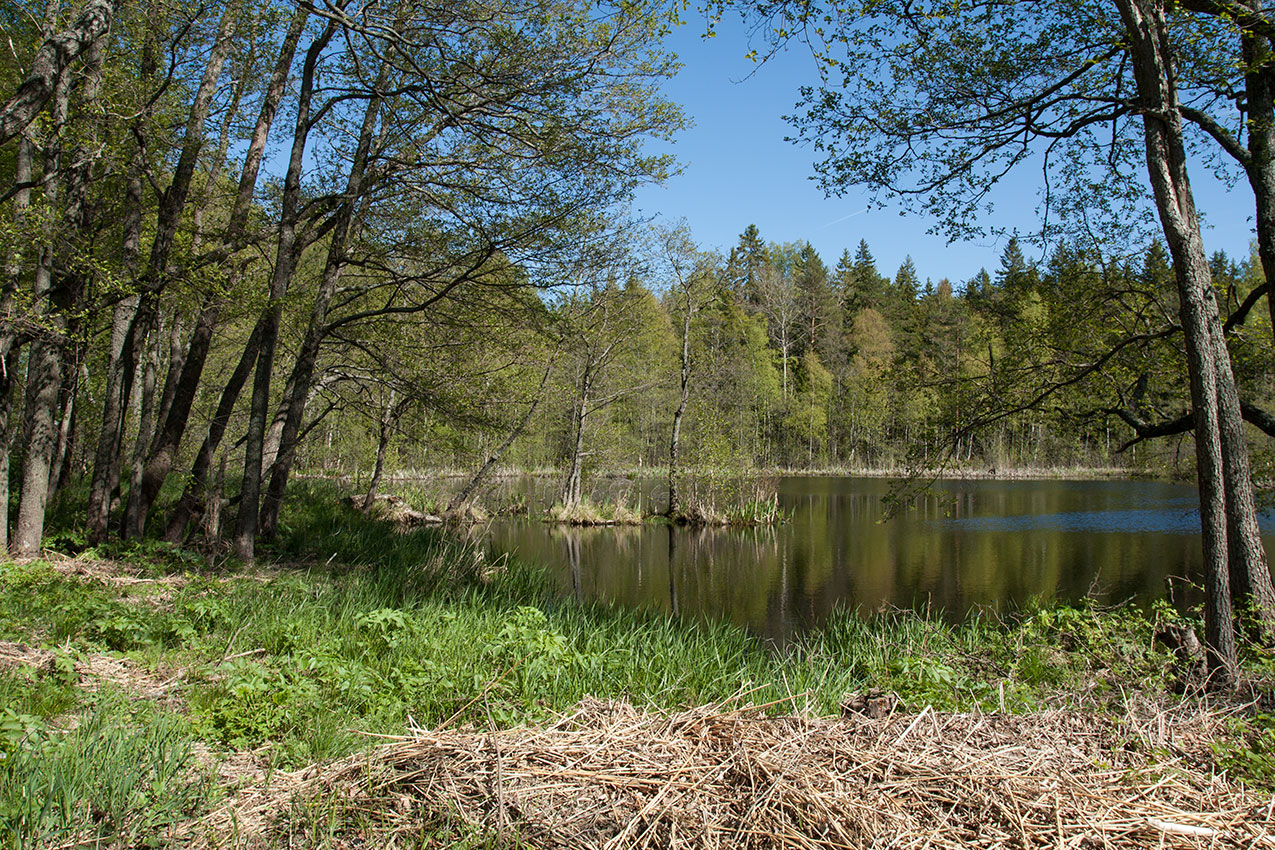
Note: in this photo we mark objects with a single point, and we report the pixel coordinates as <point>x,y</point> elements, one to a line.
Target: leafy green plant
<point>1251,755</point>
<point>254,703</point>
<point>386,626</point>
<point>16,576</point>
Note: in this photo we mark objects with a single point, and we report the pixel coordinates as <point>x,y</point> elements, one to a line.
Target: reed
<point>357,631</point>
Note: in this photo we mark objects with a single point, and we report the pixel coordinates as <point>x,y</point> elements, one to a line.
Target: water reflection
<point>965,545</point>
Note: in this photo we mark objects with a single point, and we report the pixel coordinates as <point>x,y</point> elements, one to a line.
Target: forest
<point>264,260</point>
<point>264,241</point>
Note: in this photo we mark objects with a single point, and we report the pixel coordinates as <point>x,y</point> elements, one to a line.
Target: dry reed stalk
<point>608,775</point>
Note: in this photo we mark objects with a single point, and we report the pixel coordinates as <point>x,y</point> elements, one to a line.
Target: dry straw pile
<point>609,776</point>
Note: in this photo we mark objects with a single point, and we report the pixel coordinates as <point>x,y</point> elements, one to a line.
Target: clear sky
<point>738,170</point>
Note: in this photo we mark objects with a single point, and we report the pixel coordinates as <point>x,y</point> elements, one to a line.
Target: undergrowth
<point>356,630</point>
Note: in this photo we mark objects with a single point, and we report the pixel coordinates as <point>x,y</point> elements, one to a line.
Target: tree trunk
<point>192,501</point>
<point>60,466</point>
<point>389,417</point>
<point>45,363</point>
<point>121,363</point>
<point>246,522</point>
<point>572,493</point>
<point>163,451</point>
<point>8,365</point>
<point>44,374</point>
<point>48,67</point>
<point>177,414</point>
<point>471,488</point>
<point>1259,84</point>
<point>1166,167</point>
<point>10,340</point>
<point>149,369</point>
<point>675,442</point>
<point>106,462</point>
<point>303,370</point>
<point>1250,576</point>
<point>172,375</point>
<point>1251,585</point>
<point>171,207</point>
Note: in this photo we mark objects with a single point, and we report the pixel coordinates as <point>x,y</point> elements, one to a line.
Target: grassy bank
<point>139,686</point>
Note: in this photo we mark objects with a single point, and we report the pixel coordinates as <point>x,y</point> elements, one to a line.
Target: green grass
<point>589,512</point>
<point>307,657</point>
<point>123,776</point>
<point>356,629</point>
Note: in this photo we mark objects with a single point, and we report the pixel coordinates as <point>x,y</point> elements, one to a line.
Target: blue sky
<point>738,170</point>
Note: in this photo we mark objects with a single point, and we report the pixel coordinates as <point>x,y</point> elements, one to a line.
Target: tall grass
<point>122,776</point>
<point>359,629</point>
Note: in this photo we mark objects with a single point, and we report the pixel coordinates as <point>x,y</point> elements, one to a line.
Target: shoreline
<point>1061,473</point>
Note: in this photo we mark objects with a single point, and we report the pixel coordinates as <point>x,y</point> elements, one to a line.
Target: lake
<point>964,545</point>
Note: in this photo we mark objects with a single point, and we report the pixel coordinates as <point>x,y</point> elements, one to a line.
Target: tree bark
<point>185,388</point>
<point>246,523</point>
<point>303,370</point>
<point>55,297</point>
<point>1166,166</point>
<point>572,492</point>
<point>149,374</point>
<point>171,207</point>
<point>192,501</point>
<point>675,442</point>
<point>49,65</point>
<point>1250,576</point>
<point>106,462</point>
<point>8,367</point>
<point>389,418</point>
<point>1259,84</point>
<point>120,364</point>
<point>10,339</point>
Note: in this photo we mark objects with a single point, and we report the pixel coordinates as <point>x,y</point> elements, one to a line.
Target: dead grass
<point>116,573</point>
<point>396,511</point>
<point>607,775</point>
<point>96,670</point>
<point>589,514</point>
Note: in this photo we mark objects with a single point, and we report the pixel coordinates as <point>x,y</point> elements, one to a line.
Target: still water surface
<point>966,545</point>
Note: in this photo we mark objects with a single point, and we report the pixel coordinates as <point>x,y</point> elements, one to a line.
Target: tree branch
<point>49,63</point>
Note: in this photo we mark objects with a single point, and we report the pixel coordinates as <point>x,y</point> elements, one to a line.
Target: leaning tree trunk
<point>194,497</point>
<point>163,453</point>
<point>389,418</point>
<point>106,461</point>
<point>303,371</point>
<point>246,523</point>
<point>1166,167</point>
<point>471,488</point>
<point>149,374</point>
<point>172,205</point>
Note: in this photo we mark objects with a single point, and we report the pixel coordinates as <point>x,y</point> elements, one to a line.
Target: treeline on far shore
<point>442,271</point>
